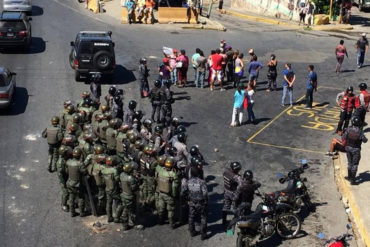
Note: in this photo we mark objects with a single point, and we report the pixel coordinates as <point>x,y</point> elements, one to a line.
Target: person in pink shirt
<point>173,58</point>
<point>182,68</point>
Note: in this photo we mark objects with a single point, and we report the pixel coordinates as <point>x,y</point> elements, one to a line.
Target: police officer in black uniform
<point>196,193</point>
<point>353,138</point>
<point>167,101</point>
<point>231,181</point>
<point>245,194</point>
<point>129,118</point>
<point>155,99</point>
<point>117,108</point>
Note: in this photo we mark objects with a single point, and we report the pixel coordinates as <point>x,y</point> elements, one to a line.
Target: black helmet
<point>55,120</point>
<point>142,60</point>
<point>158,129</point>
<point>172,151</point>
<point>117,99</point>
<point>132,105</point>
<point>95,77</point>
<point>175,121</point>
<point>70,109</point>
<point>248,175</point>
<point>356,121</point>
<point>362,86</point>
<point>181,137</point>
<point>235,166</point>
<point>119,92</point>
<point>350,88</point>
<point>147,123</point>
<point>193,161</point>
<point>194,150</point>
<point>112,90</point>
<point>138,114</point>
<point>157,83</point>
<point>77,153</point>
<point>180,129</point>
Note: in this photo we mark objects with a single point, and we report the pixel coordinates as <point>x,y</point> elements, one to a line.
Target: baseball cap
<point>363,34</point>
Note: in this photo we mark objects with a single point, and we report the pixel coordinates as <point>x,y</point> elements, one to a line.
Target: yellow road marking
<point>273,120</point>
<point>286,147</point>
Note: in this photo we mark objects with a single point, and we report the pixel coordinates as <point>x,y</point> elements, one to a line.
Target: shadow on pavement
<point>188,124</point>
<point>37,11</point>
<point>347,71</point>
<point>123,75</point>
<point>20,103</point>
<point>37,46</point>
<point>360,20</point>
<point>364,177</point>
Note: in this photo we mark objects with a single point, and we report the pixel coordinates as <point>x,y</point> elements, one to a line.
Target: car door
<point>10,79</point>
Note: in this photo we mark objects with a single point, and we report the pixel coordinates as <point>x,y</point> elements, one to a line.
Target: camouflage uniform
<point>64,154</point>
<point>54,136</point>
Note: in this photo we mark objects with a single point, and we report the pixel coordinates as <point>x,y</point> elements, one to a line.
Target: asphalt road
<point>29,195</point>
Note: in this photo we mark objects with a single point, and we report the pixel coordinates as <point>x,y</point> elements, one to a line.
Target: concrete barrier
<point>321,20</point>
<point>175,14</point>
<point>93,5</point>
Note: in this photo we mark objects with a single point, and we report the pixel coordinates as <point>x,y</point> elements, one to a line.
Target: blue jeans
<point>360,58</point>
<point>195,74</point>
<point>199,78</point>
<point>290,92</point>
<point>251,116</point>
<point>174,76</point>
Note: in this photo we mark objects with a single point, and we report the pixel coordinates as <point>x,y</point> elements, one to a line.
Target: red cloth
<point>245,103</point>
<point>217,61</point>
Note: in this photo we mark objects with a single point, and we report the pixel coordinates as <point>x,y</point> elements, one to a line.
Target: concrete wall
<point>284,9</point>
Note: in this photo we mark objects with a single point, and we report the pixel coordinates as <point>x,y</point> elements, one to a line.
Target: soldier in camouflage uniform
<point>129,186</point>
<point>103,126</point>
<point>76,119</point>
<point>76,170</point>
<point>67,116</point>
<point>147,168</point>
<point>86,144</point>
<point>122,142</point>
<point>54,136</point>
<point>95,127</point>
<point>70,138</point>
<point>65,153</point>
<point>136,151</point>
<point>84,95</point>
<point>111,179</point>
<point>111,135</point>
<point>146,131</point>
<point>64,112</point>
<point>94,164</point>
<point>167,186</point>
<point>158,141</point>
<point>101,111</point>
<point>197,197</point>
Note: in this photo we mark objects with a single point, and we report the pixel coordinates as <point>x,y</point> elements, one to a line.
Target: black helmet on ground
<point>194,150</point>
<point>248,175</point>
<point>112,90</point>
<point>132,105</point>
<point>235,166</point>
<point>356,121</point>
<point>181,137</point>
<point>363,86</point>
<point>157,83</point>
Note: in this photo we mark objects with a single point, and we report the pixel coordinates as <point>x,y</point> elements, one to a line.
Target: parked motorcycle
<point>268,218</point>
<point>296,193</point>
<point>340,241</point>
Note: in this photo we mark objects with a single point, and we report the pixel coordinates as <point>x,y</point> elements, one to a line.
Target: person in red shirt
<point>182,68</point>
<point>217,60</point>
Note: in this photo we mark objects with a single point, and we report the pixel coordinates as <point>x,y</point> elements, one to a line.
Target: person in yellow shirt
<point>140,8</point>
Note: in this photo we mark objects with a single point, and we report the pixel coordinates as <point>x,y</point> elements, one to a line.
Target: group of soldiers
<point>102,155</point>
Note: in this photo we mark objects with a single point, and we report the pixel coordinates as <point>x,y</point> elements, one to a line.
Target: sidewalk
<point>113,8</point>
<point>356,197</point>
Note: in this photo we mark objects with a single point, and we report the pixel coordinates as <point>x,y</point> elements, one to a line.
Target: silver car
<point>18,5</point>
<point>7,87</point>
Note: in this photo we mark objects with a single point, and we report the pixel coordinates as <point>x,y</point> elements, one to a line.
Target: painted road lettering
<point>321,117</point>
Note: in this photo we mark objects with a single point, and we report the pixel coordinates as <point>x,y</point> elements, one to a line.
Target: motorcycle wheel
<point>243,241</point>
<point>288,225</point>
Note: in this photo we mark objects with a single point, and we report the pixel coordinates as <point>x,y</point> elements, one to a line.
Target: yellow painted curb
<point>355,211</point>
<point>331,28</point>
<point>261,19</point>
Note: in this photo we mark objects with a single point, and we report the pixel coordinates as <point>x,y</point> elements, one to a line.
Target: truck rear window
<point>19,25</point>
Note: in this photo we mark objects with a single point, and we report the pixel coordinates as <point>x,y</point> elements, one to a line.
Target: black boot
<point>353,178</point>
<point>349,176</point>
<point>224,216</point>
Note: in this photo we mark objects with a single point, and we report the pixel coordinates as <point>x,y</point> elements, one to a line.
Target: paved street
<point>29,195</point>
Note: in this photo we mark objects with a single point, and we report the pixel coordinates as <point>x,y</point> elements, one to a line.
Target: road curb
<point>345,189</point>
<point>205,27</point>
<point>267,20</point>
